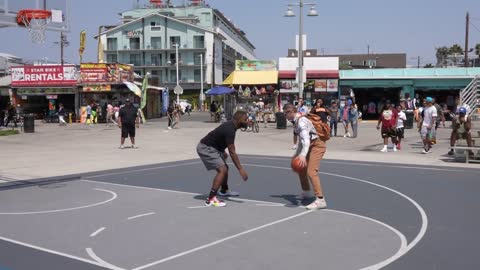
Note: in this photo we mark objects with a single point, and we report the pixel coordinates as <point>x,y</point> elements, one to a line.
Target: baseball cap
<point>429,99</point>
<point>462,110</point>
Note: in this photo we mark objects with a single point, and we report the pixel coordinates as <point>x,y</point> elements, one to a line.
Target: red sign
<point>54,75</point>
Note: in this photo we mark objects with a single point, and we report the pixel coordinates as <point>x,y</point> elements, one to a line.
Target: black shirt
<point>128,115</point>
<point>221,137</point>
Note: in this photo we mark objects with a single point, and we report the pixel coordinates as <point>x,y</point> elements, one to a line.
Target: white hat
<point>260,99</point>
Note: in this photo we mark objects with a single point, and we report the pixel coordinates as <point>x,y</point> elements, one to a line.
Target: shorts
<point>461,136</point>
<point>211,157</point>
<point>389,133</point>
<point>128,130</point>
<point>400,133</point>
<point>88,116</point>
<point>424,132</point>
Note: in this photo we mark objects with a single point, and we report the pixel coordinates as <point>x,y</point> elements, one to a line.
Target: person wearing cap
<point>428,125</point>
<point>127,122</point>
<point>461,125</point>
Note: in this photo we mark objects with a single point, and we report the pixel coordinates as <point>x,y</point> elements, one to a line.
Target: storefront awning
<point>311,74</point>
<point>242,77</point>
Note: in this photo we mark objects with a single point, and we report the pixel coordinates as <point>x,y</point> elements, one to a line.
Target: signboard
<point>51,75</point>
<point>51,96</point>
<point>288,86</point>
<point>105,73</point>
<point>332,85</point>
<point>255,65</point>
<point>178,90</point>
<point>320,85</point>
<point>165,102</point>
<point>97,88</point>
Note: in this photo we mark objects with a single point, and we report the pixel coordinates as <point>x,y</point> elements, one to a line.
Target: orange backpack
<point>323,129</point>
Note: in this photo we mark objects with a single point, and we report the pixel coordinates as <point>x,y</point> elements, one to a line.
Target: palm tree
<point>428,66</point>
<point>456,50</point>
<point>442,54</point>
<point>477,50</point>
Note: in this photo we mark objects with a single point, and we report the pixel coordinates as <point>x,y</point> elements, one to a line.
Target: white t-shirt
<point>401,117</point>
<point>428,114</point>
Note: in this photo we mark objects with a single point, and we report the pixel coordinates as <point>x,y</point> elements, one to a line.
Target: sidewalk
<point>54,150</point>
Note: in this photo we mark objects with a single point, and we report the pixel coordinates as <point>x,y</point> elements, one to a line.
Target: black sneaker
<point>451,152</point>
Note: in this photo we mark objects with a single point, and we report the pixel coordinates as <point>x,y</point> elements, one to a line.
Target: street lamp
<point>202,97</point>
<point>312,13</point>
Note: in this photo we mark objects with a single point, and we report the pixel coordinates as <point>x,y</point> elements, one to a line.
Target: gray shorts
<point>211,157</point>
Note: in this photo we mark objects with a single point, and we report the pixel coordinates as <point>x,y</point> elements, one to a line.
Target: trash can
<point>29,123</point>
<point>410,119</point>
<point>281,120</point>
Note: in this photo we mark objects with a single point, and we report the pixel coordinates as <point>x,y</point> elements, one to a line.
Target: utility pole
<point>467,25</point>
<point>418,62</point>
<point>368,49</point>
<point>62,44</point>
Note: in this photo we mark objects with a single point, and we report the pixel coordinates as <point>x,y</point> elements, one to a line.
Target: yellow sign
<point>97,88</point>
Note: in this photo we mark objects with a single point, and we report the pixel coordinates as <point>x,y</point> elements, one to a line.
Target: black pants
<point>333,126</point>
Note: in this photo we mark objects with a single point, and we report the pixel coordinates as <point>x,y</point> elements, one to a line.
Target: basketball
<point>296,167</point>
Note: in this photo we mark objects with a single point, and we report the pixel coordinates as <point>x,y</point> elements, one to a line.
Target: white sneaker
<point>394,148</point>
<point>317,204</point>
<point>348,135</point>
<point>344,135</point>
<point>294,147</point>
<point>169,128</point>
<point>122,147</point>
<point>134,147</point>
<point>384,149</point>
<point>228,193</point>
<point>215,202</point>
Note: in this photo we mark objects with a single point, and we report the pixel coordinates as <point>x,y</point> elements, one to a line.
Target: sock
<point>212,194</point>
<point>224,188</point>
<point>320,197</point>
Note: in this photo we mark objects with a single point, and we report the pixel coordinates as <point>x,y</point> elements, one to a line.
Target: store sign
<point>51,96</point>
<point>332,85</point>
<point>97,88</point>
<point>53,75</point>
<point>133,33</point>
<point>320,85</point>
<point>255,65</point>
<point>288,86</point>
<point>105,73</point>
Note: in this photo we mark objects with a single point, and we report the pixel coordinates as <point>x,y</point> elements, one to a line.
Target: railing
<point>470,95</point>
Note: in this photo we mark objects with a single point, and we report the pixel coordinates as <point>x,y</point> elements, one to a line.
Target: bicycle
<point>252,125</point>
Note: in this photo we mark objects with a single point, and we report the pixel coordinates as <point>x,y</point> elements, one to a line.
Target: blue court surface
<point>379,216</point>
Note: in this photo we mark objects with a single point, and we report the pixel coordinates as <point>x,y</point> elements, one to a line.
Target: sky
<point>415,27</point>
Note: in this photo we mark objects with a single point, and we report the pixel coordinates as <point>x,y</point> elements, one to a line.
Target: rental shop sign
<point>54,75</point>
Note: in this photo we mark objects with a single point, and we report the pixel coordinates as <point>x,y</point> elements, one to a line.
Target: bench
<point>463,151</point>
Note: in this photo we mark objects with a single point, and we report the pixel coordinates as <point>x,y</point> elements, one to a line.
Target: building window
<point>112,58</point>
<point>112,44</point>
<point>135,59</point>
<point>206,17</point>
<point>154,27</point>
<point>135,43</point>
<point>174,40</point>
<point>156,59</point>
<point>158,74</point>
<point>347,62</point>
<point>197,75</point>
<point>156,42</point>
<point>370,63</point>
<point>196,58</point>
<point>198,42</point>
<point>173,59</point>
<point>173,75</point>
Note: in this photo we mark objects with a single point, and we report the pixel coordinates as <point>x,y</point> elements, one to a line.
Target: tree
<point>455,49</point>
<point>442,54</point>
<point>428,66</point>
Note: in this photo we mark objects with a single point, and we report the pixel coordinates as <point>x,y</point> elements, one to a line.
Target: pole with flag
<point>143,99</point>
<point>82,44</point>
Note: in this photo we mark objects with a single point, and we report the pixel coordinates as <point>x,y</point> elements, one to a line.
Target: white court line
<point>100,261</point>
<point>402,251</point>
<point>399,253</point>
<point>145,169</point>
<point>273,204</point>
<point>368,164</point>
<point>50,251</point>
<point>97,232</point>
<point>221,240</point>
<point>142,215</point>
<point>114,196</point>
<point>197,207</point>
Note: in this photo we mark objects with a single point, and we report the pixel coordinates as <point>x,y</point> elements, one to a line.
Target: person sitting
<point>461,126</point>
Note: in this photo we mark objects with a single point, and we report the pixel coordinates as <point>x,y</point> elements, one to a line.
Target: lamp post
<point>176,64</point>
<point>202,97</point>
<point>311,13</point>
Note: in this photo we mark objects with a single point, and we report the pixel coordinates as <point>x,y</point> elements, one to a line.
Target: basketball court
<point>152,217</point>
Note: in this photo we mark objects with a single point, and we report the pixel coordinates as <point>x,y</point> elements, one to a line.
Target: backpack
<point>322,129</point>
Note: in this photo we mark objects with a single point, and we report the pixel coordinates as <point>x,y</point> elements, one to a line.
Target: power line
<point>474,26</point>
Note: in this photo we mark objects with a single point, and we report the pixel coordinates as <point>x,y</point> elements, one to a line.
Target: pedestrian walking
<point>110,114</point>
<point>428,125</point>
<point>310,152</point>
<point>61,115</point>
<point>334,116</point>
<point>127,122</point>
<point>353,119</point>
<point>88,110</point>
<point>388,122</point>
<point>401,118</point>
<point>211,150</point>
